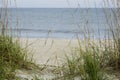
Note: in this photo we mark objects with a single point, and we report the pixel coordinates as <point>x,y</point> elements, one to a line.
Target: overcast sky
<point>61,3</point>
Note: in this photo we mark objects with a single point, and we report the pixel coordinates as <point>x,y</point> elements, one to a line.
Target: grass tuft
<point>85,64</point>
<point>12,57</point>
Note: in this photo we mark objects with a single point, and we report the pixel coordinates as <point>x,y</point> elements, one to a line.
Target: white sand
<point>49,49</point>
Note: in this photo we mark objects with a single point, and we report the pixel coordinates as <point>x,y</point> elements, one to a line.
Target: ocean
<point>60,22</point>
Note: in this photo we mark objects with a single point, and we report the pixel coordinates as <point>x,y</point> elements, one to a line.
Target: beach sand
<point>48,51</point>
<point>51,51</point>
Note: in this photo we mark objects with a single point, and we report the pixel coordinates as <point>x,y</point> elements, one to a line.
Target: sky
<point>60,3</point>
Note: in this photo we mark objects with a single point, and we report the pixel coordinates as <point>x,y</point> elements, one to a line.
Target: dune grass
<point>12,57</point>
<point>91,63</point>
<point>84,64</point>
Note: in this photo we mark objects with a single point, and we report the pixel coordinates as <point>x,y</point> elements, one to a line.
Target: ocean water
<point>60,22</point>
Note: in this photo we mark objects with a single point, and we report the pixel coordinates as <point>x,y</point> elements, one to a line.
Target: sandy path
<point>49,49</point>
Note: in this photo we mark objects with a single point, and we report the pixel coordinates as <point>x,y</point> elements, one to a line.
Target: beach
<point>52,51</point>
<point>59,41</point>
<point>49,51</point>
